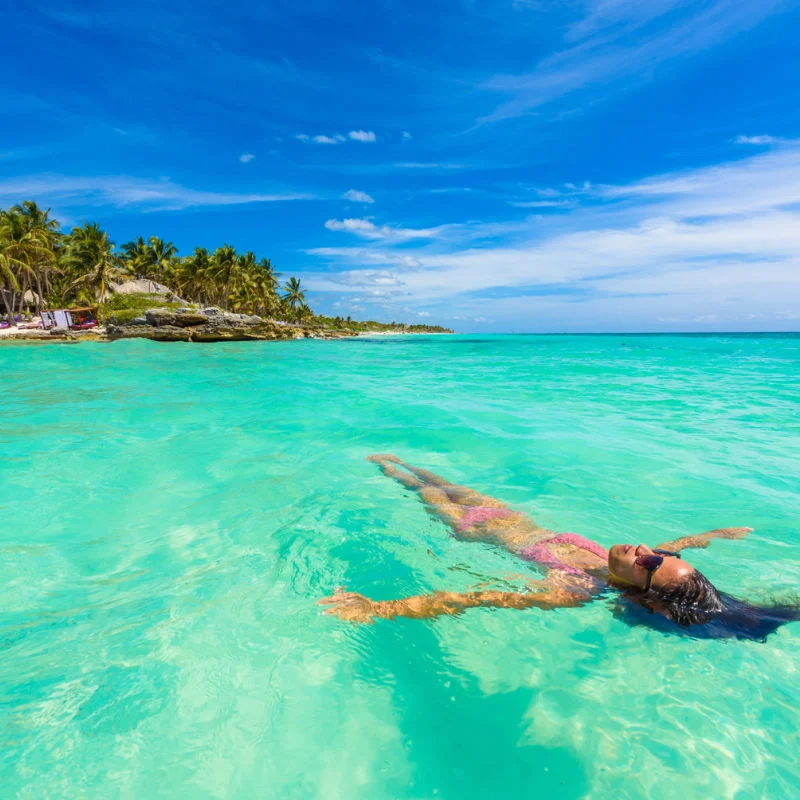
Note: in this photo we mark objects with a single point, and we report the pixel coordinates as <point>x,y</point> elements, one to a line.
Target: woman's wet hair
<point>691,601</point>
<point>694,607</point>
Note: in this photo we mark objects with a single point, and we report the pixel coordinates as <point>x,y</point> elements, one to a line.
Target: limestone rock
<point>189,319</point>
<point>159,316</point>
<point>213,325</point>
<point>181,318</point>
<point>160,333</point>
<point>144,286</point>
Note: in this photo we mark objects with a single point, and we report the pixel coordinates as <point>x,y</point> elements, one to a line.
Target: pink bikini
<point>539,552</point>
<point>474,515</point>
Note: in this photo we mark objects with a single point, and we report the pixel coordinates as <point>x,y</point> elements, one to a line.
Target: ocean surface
<point>171,514</point>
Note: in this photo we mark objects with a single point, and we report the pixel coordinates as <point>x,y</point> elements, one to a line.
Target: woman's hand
<point>728,533</point>
<point>350,606</point>
<point>703,540</point>
<point>357,608</point>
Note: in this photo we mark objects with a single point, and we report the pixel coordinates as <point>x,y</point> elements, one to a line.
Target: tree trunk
<point>24,289</point>
<point>9,310</point>
<point>39,292</point>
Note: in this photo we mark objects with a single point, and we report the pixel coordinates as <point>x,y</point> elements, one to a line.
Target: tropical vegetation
<point>42,266</point>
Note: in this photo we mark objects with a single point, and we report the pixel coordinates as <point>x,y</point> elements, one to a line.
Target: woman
<point>578,569</point>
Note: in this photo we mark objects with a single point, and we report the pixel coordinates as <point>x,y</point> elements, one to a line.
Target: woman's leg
<point>468,513</point>
<point>458,495</point>
<point>434,497</point>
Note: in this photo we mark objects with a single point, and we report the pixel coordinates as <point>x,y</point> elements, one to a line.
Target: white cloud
<point>321,138</point>
<point>123,190</point>
<point>337,138</point>
<point>763,139</point>
<point>362,136</point>
<point>766,181</point>
<point>407,137</point>
<point>356,196</point>
<point>246,158</point>
<point>367,229</point>
<point>361,255</point>
<point>722,240</point>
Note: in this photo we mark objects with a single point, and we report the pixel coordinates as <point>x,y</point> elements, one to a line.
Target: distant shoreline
<point>404,333</point>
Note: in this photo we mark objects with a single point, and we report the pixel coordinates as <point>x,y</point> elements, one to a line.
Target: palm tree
<point>27,241</point>
<point>244,284</point>
<point>162,257</point>
<point>7,279</point>
<point>35,255</point>
<point>268,285</point>
<point>91,260</point>
<point>294,295</point>
<point>44,235</point>
<point>193,276</point>
<point>138,256</point>
<point>224,263</point>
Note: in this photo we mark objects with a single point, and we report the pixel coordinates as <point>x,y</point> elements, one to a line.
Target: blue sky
<point>520,165</point>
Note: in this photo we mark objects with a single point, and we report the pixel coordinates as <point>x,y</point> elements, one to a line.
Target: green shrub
<point>120,309</point>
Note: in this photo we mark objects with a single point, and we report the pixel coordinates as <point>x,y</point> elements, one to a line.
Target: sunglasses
<point>652,562</point>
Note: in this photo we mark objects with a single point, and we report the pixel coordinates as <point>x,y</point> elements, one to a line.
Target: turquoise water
<point>171,513</point>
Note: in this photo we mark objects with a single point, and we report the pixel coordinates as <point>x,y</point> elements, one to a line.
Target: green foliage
<point>80,266</point>
<point>371,326</point>
<point>120,309</point>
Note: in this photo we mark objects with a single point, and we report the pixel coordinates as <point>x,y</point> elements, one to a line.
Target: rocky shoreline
<point>212,325</point>
<point>187,325</point>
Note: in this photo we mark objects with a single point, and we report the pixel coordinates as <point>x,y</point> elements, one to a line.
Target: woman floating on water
<point>579,570</point>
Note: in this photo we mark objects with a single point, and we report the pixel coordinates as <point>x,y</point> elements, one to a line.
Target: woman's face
<point>622,567</point>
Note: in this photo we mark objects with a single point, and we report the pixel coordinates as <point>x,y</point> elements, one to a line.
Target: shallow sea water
<point>171,514</point>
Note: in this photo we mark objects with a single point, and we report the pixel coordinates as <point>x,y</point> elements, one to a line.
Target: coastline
<point>11,335</point>
<point>100,335</point>
<point>166,330</point>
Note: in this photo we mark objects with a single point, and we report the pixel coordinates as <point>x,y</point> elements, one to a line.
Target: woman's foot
<point>384,458</point>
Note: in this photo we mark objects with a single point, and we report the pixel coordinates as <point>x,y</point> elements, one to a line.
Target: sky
<point>515,165</point>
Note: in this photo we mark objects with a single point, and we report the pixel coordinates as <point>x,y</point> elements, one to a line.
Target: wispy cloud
<point>336,138</point>
<point>246,158</point>
<point>127,191</point>
<point>428,165</point>
<point>367,229</point>
<point>603,51</point>
<point>320,138</point>
<point>541,203</point>
<point>763,139</point>
<point>407,137</point>
<point>722,240</point>
<point>356,196</point>
<point>362,136</point>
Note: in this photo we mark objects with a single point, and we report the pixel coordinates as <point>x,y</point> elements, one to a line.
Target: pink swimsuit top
<point>539,552</point>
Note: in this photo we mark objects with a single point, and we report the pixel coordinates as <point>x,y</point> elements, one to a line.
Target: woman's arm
<point>703,540</point>
<point>357,608</point>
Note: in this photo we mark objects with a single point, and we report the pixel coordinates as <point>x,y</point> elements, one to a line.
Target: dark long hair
<point>694,607</point>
